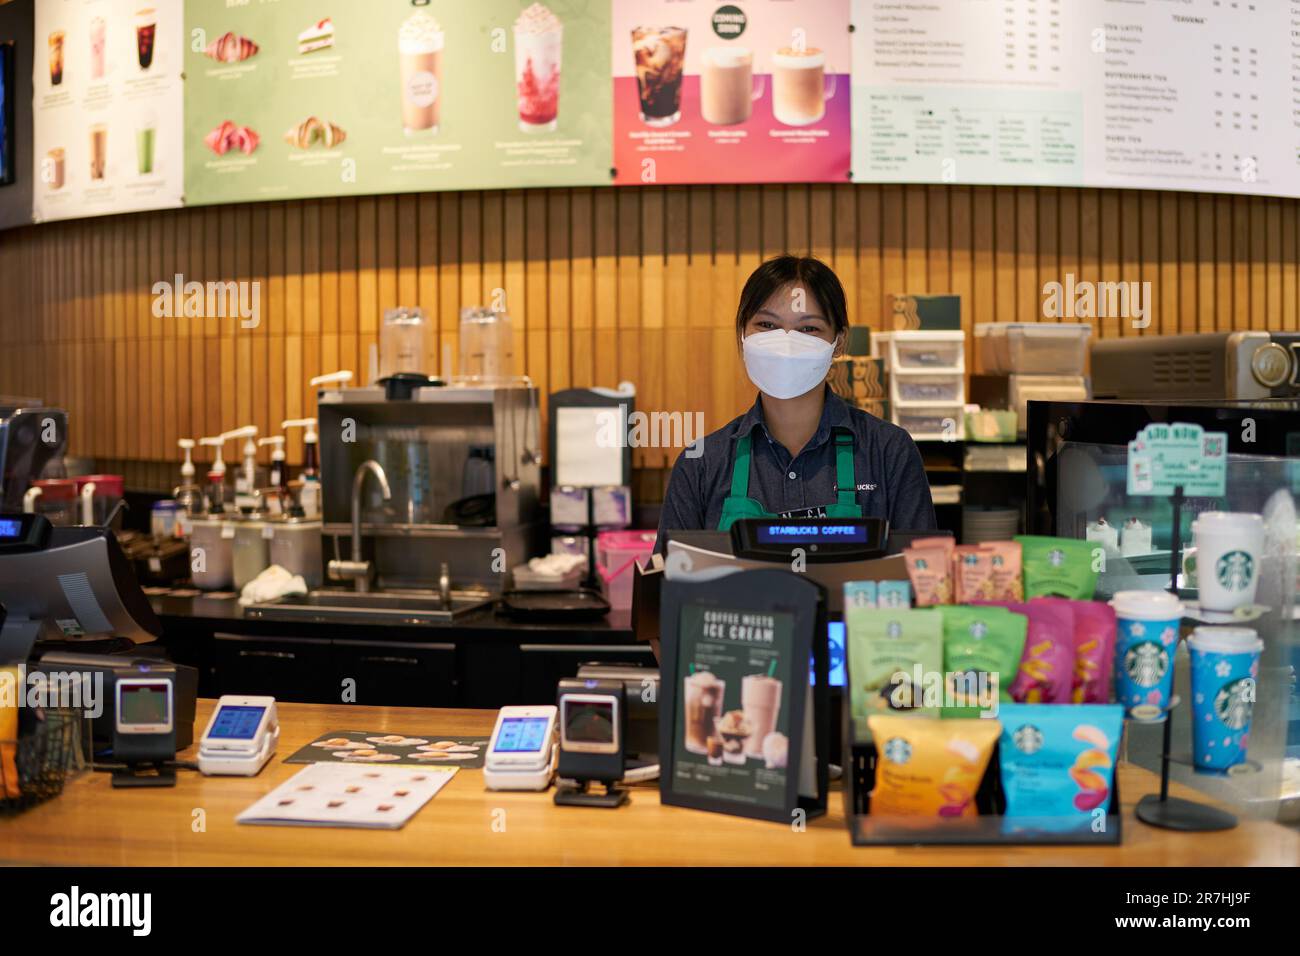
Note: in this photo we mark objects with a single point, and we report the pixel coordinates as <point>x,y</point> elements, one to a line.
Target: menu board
<point>1149,94</point>
<point>295,98</point>
<point>107,107</point>
<point>708,92</point>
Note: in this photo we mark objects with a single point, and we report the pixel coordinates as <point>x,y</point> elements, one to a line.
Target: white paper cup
<point>1229,546</point>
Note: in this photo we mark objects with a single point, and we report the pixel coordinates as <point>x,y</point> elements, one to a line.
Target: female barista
<point>801,451</point>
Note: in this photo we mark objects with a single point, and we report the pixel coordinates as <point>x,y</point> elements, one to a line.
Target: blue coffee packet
<point>1058,763</point>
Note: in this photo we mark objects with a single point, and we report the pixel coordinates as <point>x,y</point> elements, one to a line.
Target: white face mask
<point>786,364</point>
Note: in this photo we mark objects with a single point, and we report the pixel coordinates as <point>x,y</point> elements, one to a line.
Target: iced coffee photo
<point>55,172</point>
<point>727,87</point>
<point>660,54</point>
<point>703,707</point>
<point>98,31</point>
<point>419,49</point>
<point>56,57</point>
<point>98,151</point>
<point>800,86</point>
<point>538,39</point>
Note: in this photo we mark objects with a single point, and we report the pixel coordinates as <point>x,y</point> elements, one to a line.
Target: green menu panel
<point>291,98</point>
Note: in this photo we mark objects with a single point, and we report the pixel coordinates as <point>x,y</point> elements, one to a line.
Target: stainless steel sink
<point>389,607</point>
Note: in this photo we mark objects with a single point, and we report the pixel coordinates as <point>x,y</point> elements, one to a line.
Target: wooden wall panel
<point>602,285</point>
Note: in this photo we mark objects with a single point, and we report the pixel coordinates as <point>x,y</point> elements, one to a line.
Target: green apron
<point>739,505</point>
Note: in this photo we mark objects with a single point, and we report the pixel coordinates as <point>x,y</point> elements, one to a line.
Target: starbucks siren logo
<point>898,750</point>
<point>1235,570</point>
<point>978,629</point>
<point>1146,663</point>
<point>894,629</point>
<point>1234,703</point>
<point>1056,557</point>
<point>1028,739</point>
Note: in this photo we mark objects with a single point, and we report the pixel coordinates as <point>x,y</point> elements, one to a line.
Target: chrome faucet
<point>358,570</point>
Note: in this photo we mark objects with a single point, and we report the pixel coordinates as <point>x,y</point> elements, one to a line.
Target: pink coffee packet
<point>1094,651</point>
<point>1046,673</point>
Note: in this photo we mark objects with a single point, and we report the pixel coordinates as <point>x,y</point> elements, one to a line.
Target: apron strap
<point>846,486</point>
<point>740,470</point>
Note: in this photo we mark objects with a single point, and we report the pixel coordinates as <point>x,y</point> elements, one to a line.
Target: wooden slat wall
<point>602,285</point>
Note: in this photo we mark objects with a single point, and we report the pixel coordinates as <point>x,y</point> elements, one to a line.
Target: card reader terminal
<point>521,753</point>
<point>240,738</point>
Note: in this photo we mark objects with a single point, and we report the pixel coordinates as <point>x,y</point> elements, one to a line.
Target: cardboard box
<point>933,313</point>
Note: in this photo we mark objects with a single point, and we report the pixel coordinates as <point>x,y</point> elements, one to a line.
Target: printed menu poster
<point>106,112</point>
<point>971,91</point>
<point>1202,96</point>
<point>297,98</point>
<point>1150,94</point>
<point>708,92</point>
<point>733,716</point>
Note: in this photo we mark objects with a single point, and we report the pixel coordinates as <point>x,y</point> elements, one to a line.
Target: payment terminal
<point>240,738</point>
<point>521,753</point>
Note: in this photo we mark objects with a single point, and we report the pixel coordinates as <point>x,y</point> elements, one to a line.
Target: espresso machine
<point>32,442</point>
<point>437,491</point>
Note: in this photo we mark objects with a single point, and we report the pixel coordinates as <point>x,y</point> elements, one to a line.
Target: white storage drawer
<point>1038,348</point>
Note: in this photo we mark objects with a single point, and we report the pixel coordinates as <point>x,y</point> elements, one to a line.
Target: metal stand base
<point>141,777</point>
<point>1174,813</point>
<point>612,797</point>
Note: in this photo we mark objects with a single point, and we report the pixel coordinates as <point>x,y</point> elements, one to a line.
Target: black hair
<point>781,271</point>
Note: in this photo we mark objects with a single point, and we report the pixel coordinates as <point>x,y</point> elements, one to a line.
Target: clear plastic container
<point>1022,389</point>
<point>924,350</point>
<point>251,554</point>
<point>487,354</point>
<point>296,547</point>
<point>932,422</point>
<point>942,387</point>
<point>1039,348</point>
<point>616,553</point>
<point>401,341</point>
<point>104,498</point>
<point>211,553</point>
<point>58,501</point>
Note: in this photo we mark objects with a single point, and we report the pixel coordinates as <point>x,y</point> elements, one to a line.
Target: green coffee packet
<point>1058,567</point>
<point>981,654</point>
<point>889,650</point>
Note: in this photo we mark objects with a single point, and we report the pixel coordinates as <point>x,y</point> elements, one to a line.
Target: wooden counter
<point>465,825</point>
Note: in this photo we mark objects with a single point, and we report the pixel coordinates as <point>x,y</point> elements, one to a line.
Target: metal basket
<point>54,748</point>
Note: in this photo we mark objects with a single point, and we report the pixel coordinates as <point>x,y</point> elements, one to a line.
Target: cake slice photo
<point>318,36</point>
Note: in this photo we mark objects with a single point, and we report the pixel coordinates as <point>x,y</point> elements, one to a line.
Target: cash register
<point>68,595</point>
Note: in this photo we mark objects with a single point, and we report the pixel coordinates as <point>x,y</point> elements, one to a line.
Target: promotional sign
<point>710,92</point>
<point>1162,457</point>
<point>107,107</point>
<point>284,101</point>
<point>744,730</point>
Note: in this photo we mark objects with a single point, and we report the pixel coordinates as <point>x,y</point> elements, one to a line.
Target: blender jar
<point>401,341</point>
<point>487,354</point>
<point>58,501</point>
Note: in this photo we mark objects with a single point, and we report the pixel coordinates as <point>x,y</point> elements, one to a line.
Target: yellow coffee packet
<point>927,767</point>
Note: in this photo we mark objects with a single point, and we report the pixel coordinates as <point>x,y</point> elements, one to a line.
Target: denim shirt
<point>890,476</point>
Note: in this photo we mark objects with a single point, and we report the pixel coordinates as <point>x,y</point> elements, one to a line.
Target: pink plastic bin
<point>615,553</point>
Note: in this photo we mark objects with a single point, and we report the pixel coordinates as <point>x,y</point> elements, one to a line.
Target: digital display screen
<point>813,534</point>
<point>522,735</point>
<point>11,529</point>
<point>589,722</point>
<point>143,703</point>
<point>236,722</point>
<point>835,641</point>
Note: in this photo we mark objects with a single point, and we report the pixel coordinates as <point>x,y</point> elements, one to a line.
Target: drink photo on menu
<point>753,92</point>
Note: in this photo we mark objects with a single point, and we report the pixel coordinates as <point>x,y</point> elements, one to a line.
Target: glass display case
<point>1078,462</point>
